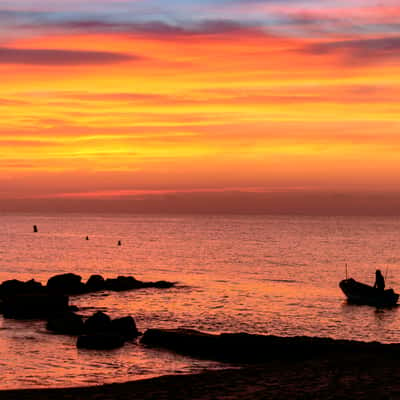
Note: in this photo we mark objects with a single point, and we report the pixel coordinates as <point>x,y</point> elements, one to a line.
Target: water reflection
<point>261,274</point>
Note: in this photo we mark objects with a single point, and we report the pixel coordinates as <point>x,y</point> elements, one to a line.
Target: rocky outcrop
<point>14,287</point>
<point>100,332</point>
<point>100,341</point>
<point>246,348</point>
<point>66,284</point>
<point>99,323</point>
<point>95,283</point>
<point>34,306</point>
<point>123,283</point>
<point>129,283</point>
<point>71,284</point>
<point>159,284</point>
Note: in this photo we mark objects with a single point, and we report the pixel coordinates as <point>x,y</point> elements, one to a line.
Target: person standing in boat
<point>379,280</point>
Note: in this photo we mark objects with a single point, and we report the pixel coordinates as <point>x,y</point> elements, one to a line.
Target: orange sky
<point>91,109</point>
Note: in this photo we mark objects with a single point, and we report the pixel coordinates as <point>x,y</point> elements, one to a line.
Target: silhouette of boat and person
<point>376,295</point>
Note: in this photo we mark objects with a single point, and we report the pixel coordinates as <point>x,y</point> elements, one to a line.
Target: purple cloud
<point>365,50</point>
<point>57,57</point>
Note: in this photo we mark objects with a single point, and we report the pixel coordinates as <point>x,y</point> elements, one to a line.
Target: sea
<point>257,274</point>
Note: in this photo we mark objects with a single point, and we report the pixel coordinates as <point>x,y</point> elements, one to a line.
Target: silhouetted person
<point>119,243</point>
<point>35,229</point>
<point>379,280</point>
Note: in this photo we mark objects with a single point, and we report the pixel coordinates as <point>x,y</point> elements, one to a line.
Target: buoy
<point>87,237</point>
<point>35,229</point>
<point>119,243</point>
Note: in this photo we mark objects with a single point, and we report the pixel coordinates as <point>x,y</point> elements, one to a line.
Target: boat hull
<point>359,293</point>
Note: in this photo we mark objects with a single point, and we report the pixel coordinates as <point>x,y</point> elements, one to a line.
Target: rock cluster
<point>72,284</point>
<point>31,299</point>
<point>98,331</point>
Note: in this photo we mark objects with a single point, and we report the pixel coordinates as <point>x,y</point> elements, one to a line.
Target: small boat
<point>360,293</point>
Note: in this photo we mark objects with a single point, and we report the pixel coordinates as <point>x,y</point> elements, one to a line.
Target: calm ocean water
<point>256,274</point>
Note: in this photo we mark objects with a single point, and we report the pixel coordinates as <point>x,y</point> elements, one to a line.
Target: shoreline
<point>364,376</point>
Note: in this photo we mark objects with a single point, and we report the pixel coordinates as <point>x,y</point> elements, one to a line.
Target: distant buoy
<point>87,237</point>
<point>35,229</point>
<point>119,243</point>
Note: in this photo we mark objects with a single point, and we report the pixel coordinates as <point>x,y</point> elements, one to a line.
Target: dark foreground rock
<point>100,341</point>
<point>99,329</point>
<point>98,322</point>
<point>126,327</point>
<point>34,306</point>
<point>246,348</point>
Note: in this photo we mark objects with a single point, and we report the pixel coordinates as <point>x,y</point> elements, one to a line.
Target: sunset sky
<point>134,98</point>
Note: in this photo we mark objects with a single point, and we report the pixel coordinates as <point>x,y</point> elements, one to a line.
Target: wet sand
<point>354,377</point>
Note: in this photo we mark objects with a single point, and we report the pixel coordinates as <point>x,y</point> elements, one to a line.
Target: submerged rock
<point>66,284</point>
<point>100,341</point>
<point>159,284</point>
<point>186,341</point>
<point>67,323</point>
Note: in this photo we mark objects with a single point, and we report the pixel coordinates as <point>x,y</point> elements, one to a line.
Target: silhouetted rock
<point>126,327</point>
<point>123,283</point>
<point>186,341</point>
<point>246,348</point>
<point>30,306</point>
<point>66,284</point>
<point>14,287</point>
<point>129,283</point>
<point>98,322</point>
<point>158,284</point>
<point>100,341</point>
<point>67,323</point>
<point>95,283</point>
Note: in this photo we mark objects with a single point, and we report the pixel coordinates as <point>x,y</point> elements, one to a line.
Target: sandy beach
<point>361,377</point>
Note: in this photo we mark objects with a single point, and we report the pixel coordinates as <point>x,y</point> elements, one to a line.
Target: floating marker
<point>35,229</point>
<point>119,243</point>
